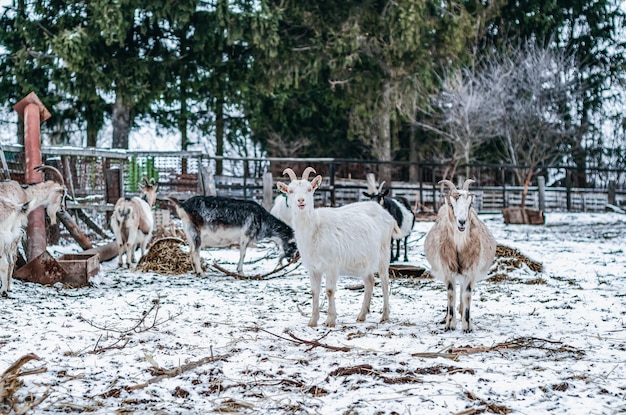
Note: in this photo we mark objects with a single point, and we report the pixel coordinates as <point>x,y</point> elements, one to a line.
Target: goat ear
<point>316,182</point>
<point>282,187</point>
<point>385,192</point>
<point>367,194</point>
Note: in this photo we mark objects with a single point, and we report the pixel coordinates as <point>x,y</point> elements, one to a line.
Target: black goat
<point>215,221</point>
<point>401,211</point>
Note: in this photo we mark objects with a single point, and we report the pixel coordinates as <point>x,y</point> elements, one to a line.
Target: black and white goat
<point>460,248</point>
<point>400,209</point>
<point>132,222</point>
<point>217,222</point>
<point>352,240</point>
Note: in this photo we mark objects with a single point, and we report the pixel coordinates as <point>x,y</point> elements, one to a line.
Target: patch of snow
<point>147,343</point>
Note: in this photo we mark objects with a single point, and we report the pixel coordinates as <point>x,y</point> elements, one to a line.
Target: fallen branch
<point>260,276</point>
<point>518,343</point>
<point>166,374</point>
<point>312,343</point>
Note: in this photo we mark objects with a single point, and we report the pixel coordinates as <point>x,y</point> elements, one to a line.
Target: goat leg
<point>450,311</point>
<point>368,282</point>
<point>384,283</point>
<point>466,299</point>
<point>316,283</point>
<point>331,290</point>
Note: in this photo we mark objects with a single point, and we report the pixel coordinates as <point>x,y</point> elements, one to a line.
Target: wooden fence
<point>90,175</point>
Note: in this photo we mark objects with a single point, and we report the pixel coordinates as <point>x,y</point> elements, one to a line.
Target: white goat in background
<point>49,193</point>
<point>460,248</point>
<point>132,222</point>
<point>280,209</point>
<point>12,218</point>
<point>350,240</point>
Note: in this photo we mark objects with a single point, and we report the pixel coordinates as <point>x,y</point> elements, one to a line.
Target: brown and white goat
<point>49,193</point>
<point>132,222</point>
<point>460,248</point>
<point>12,216</point>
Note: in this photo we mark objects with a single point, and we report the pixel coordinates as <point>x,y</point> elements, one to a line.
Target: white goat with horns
<point>460,248</point>
<point>350,240</point>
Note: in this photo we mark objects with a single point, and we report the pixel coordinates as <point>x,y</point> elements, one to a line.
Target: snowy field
<point>145,343</point>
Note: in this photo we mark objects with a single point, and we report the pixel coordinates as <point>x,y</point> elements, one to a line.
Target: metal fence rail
<point>182,174</point>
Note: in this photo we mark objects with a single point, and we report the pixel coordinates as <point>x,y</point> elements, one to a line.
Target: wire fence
<point>183,174</point>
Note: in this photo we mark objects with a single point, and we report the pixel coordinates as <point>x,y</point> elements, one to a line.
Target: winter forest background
<point>529,82</point>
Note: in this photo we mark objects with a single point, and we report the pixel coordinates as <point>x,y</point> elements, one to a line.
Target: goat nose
<point>462,222</point>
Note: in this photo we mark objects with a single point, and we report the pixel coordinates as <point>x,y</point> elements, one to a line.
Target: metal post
<point>332,184</point>
<point>32,111</point>
<point>541,185</point>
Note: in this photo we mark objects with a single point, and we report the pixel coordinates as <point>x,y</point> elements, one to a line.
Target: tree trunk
<point>121,122</point>
<point>182,126</point>
<point>219,134</point>
<point>413,157</point>
<point>92,134</point>
<point>382,148</point>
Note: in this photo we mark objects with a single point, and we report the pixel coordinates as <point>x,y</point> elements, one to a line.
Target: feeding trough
<point>72,270</point>
<point>79,268</point>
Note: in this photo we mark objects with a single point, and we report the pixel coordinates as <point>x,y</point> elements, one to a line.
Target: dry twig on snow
<point>11,382</point>
<point>311,343</point>
<point>147,321</point>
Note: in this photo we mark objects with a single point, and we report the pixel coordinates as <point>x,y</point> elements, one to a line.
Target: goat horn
<point>448,183</point>
<point>467,183</point>
<point>307,171</point>
<point>55,171</point>
<point>291,173</point>
<point>380,188</point>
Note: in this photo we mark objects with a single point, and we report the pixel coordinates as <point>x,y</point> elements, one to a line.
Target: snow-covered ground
<point>144,343</point>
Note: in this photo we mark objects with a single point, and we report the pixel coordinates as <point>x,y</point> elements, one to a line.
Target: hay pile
<point>509,259</point>
<point>512,258</point>
<point>167,257</point>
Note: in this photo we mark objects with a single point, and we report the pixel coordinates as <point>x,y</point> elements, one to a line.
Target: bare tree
<point>468,113</point>
<point>532,86</point>
<point>279,147</point>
